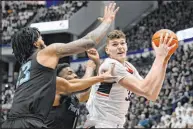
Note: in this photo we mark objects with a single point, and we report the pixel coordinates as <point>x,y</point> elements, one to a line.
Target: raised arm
<point>90,68</point>
<point>91,65</point>
<point>94,56</point>
<point>92,38</point>
<point>146,86</point>
<point>58,50</point>
<point>151,85</point>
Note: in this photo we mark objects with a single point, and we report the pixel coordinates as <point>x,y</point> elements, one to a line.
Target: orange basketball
<point>156,39</point>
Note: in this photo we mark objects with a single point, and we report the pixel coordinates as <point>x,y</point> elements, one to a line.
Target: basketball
<point>156,39</point>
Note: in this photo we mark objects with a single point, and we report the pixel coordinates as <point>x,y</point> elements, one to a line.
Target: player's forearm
<point>157,89</point>
<point>154,80</point>
<point>83,44</point>
<point>74,47</point>
<point>81,84</point>
<point>97,66</point>
<point>98,34</point>
<point>89,72</point>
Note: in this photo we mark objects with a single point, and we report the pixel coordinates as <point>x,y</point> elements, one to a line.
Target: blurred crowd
<point>18,14</point>
<point>170,15</point>
<point>7,94</point>
<point>61,12</point>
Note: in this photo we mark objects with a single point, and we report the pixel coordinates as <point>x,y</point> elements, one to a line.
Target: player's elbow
<point>92,39</point>
<point>148,95</point>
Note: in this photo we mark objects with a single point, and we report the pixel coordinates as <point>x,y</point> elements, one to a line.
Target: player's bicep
<point>120,72</point>
<point>62,85</point>
<point>133,84</point>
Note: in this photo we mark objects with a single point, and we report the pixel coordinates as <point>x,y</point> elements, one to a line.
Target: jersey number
<point>129,96</point>
<point>24,74</point>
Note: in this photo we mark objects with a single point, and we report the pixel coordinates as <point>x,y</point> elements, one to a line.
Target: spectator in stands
<point>179,108</point>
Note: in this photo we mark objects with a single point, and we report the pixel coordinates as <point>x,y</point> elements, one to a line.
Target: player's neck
<point>122,61</point>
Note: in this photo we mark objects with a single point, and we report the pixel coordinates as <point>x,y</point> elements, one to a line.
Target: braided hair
<point>22,43</point>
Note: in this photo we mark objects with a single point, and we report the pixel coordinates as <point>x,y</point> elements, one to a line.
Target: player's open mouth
<point>120,53</point>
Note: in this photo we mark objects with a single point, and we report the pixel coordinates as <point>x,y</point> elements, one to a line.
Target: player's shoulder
<point>130,64</point>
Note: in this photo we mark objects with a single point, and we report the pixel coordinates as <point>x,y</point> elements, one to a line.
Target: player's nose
<point>75,76</point>
<point>119,46</point>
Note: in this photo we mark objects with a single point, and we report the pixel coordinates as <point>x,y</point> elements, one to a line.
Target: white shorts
<point>101,124</point>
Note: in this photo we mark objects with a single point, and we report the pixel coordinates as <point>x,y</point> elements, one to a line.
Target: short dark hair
<point>61,66</point>
<point>22,43</point>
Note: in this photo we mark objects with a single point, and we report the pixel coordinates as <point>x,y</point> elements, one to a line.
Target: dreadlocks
<point>22,43</point>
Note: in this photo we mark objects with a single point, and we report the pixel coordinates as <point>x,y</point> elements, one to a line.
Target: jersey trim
<point>100,93</point>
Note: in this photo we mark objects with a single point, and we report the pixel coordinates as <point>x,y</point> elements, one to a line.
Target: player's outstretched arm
<point>91,65</point>
<point>94,56</point>
<point>81,84</point>
<point>92,38</point>
<point>90,68</point>
<point>151,85</point>
<point>58,50</point>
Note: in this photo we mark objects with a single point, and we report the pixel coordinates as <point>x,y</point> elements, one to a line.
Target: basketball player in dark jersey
<point>65,110</point>
<point>36,84</point>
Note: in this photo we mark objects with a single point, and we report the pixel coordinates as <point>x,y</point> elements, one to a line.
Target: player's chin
<point>121,56</point>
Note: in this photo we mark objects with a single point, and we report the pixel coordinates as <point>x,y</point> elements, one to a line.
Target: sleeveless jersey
<point>35,90</point>
<point>65,115</point>
<point>110,101</point>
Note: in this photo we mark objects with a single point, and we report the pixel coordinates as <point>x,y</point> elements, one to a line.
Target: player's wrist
<point>97,62</point>
<point>160,60</point>
<point>101,78</point>
<point>90,68</point>
<point>160,56</point>
<point>107,21</point>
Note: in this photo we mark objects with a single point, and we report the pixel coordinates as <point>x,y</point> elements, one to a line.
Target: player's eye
<point>123,43</point>
<point>114,45</point>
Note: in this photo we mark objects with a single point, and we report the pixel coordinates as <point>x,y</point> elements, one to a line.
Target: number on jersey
<point>24,73</point>
<point>128,98</point>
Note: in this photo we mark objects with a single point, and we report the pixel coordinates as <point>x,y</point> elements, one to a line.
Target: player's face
<point>68,73</point>
<point>117,49</point>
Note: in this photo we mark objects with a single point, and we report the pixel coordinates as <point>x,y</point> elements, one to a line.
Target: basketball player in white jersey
<point>108,105</point>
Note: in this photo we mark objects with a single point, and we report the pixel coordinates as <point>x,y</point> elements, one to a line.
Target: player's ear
<point>36,44</point>
<point>107,50</point>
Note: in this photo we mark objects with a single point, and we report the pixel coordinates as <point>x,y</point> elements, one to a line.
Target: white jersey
<point>110,101</point>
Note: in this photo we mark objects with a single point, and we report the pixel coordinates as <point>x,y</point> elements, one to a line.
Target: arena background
<point>65,21</point>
